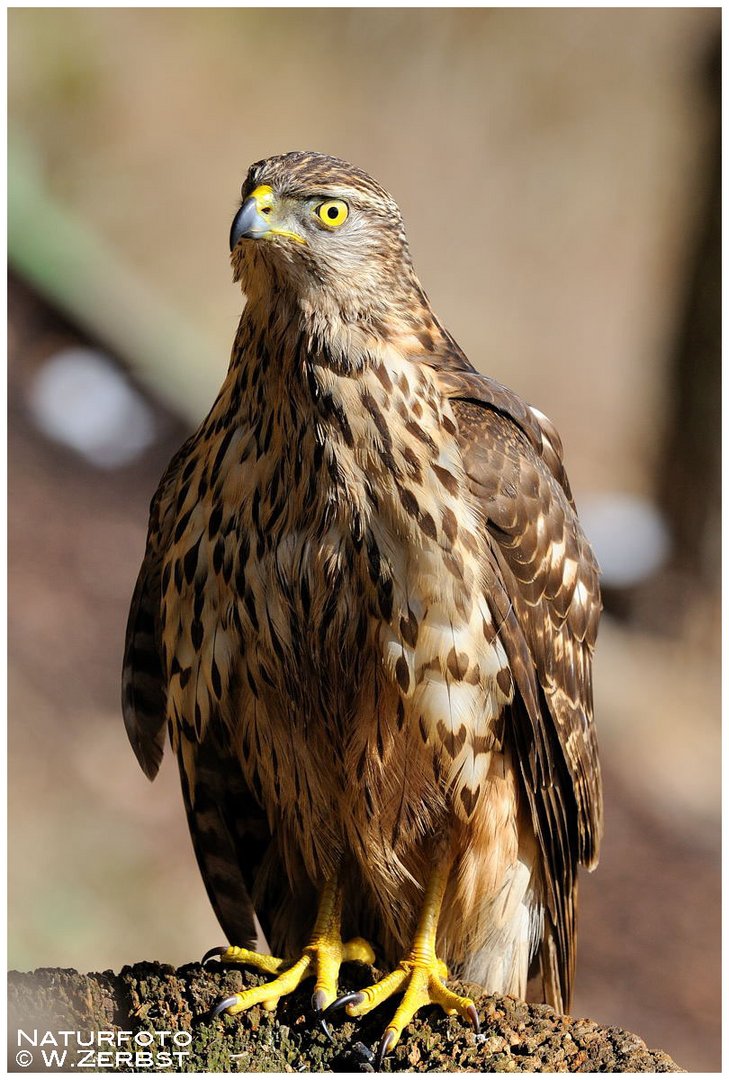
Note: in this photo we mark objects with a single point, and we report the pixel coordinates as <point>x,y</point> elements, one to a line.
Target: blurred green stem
<point>72,267</point>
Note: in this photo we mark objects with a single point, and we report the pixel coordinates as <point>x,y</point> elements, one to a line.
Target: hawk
<point>366,616</point>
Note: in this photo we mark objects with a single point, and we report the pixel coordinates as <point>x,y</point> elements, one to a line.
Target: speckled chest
<point>337,556</point>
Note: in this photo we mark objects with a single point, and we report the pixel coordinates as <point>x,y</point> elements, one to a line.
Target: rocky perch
<point>60,1020</point>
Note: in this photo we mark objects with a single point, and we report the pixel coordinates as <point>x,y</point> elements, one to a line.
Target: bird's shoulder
<point>513,460</point>
<point>477,398</point>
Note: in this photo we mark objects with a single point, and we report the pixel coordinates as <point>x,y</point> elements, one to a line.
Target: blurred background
<point>558,171</point>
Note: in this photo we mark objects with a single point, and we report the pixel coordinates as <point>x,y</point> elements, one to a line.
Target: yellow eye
<point>332,213</point>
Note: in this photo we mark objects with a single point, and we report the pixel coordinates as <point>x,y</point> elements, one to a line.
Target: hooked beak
<point>248,223</point>
<point>256,218</point>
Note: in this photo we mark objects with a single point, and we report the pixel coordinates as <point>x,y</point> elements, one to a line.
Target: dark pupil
<point>332,212</point>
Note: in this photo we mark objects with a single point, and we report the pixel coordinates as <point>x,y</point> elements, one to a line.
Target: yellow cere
<point>265,204</point>
<point>332,213</point>
<point>264,197</point>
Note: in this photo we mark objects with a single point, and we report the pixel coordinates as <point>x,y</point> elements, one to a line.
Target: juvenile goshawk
<point>366,615</point>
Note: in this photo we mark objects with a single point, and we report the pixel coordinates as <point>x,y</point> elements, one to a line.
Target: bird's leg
<point>321,958</point>
<point>420,975</point>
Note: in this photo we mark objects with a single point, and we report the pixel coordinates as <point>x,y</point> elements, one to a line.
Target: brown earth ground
<point>514,1037</point>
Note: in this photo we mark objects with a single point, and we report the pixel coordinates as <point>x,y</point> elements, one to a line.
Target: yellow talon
<point>421,975</point>
<point>359,949</point>
<point>270,964</point>
<point>322,957</point>
<point>268,994</point>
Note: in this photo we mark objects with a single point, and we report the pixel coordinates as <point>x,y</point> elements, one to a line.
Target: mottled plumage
<point>367,611</point>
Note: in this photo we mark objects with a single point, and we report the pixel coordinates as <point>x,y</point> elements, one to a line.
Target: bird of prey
<point>366,616</point>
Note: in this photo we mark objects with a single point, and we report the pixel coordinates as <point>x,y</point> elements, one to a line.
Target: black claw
<point>352,998</point>
<point>223,1005</point>
<point>318,999</point>
<point>217,951</point>
<point>473,1017</point>
<point>387,1042</point>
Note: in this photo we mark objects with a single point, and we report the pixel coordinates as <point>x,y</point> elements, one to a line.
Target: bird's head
<point>323,231</point>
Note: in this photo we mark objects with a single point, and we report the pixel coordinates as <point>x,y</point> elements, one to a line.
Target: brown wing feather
<point>550,605</point>
<point>230,835</point>
<point>144,681</point>
<point>229,831</point>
